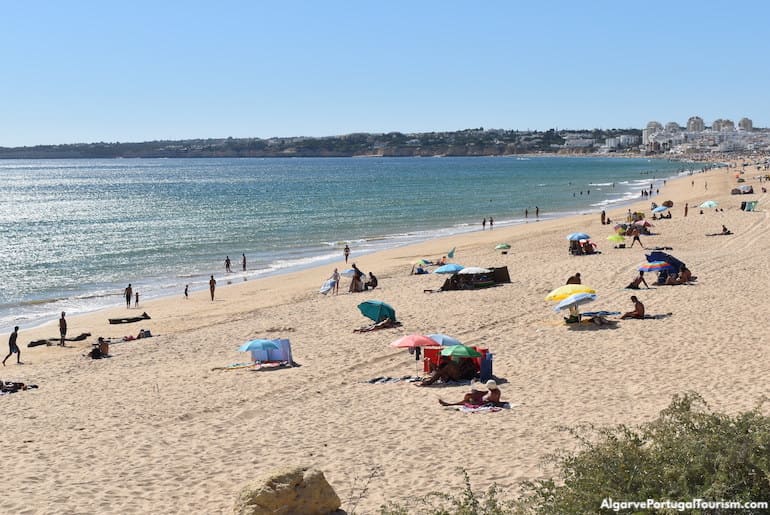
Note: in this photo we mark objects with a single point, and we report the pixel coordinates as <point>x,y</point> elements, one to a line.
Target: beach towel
<point>388,380</point>
<point>485,408</point>
<point>600,313</point>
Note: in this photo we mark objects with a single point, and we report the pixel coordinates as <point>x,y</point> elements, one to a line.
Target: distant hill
<point>469,142</point>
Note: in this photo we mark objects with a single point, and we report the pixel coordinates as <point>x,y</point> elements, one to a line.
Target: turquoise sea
<point>74,233</point>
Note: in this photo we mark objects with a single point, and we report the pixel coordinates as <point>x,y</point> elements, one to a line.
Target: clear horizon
<point>95,72</point>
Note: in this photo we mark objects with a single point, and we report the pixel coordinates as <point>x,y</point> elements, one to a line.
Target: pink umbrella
<point>414,340</point>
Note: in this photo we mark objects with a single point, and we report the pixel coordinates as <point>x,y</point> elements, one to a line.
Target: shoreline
<point>158,413</point>
<point>83,320</point>
<point>406,238</point>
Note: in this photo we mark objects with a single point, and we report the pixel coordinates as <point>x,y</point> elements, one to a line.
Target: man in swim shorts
<point>12,347</point>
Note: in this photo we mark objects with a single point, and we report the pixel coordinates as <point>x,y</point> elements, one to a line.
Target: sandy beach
<point>154,429</point>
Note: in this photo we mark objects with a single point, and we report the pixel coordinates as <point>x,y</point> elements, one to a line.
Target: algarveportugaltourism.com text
<point>694,504</point>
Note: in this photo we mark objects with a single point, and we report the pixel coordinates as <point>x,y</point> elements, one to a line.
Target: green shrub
<point>687,453</point>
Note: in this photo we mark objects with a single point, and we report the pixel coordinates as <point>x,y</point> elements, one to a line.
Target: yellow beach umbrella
<point>616,238</point>
<point>562,292</point>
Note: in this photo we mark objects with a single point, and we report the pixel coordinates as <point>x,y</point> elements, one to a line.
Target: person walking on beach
<point>227,264</point>
<point>537,212</point>
<point>346,252</point>
<point>483,224</point>
<point>635,234</point>
<point>62,328</point>
<point>336,278</point>
<point>186,289</point>
<point>686,208</point>
<point>212,286</point>
<point>604,217</point>
<point>136,299</point>
<point>129,293</point>
<point>13,348</point>
<point>243,262</point>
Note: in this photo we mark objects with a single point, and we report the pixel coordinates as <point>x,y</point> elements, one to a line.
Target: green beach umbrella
<point>502,246</point>
<point>460,351</point>
<point>377,310</point>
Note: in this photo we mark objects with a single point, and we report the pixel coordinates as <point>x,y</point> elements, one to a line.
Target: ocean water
<point>74,233</point>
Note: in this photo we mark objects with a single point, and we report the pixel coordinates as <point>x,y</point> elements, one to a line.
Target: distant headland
<point>468,142</point>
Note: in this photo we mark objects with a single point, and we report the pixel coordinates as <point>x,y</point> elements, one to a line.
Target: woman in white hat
<point>477,396</point>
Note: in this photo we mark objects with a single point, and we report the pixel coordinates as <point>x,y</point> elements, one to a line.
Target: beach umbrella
<point>444,340</point>
<point>502,246</point>
<point>350,272</point>
<point>377,310</point>
<point>460,351</point>
<point>412,341</point>
<point>451,253</point>
<point>660,209</point>
<point>451,268</point>
<point>616,238</point>
<point>562,292</point>
<point>422,262</point>
<point>709,204</point>
<point>655,266</point>
<point>258,344</point>
<point>575,300</point>
<point>575,236</point>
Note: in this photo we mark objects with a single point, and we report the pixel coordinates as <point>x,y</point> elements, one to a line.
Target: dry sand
<point>154,430</point>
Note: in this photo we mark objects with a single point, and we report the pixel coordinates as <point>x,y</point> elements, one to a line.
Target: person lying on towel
<point>479,397</point>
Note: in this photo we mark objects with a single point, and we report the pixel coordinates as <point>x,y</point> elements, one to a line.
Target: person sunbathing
<point>478,397</point>
<point>575,279</point>
<point>452,371</point>
<point>685,276</point>
<point>638,311</point>
<point>634,285</point>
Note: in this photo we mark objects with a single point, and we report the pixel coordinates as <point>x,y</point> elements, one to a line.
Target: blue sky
<point>137,71</point>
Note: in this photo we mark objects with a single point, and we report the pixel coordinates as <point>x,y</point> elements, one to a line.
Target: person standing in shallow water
<point>62,329</point>
<point>212,286</point>
<point>483,224</point>
<point>13,348</point>
<point>227,264</point>
<point>491,223</point>
<point>186,291</point>
<point>129,293</point>
<point>346,252</point>
<point>243,262</point>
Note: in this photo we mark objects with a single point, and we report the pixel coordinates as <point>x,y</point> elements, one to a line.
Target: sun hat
<point>491,384</point>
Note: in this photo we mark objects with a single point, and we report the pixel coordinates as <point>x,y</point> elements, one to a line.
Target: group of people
<point>228,263</point>
<point>484,223</point>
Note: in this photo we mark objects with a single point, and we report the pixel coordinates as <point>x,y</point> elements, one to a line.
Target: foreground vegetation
<point>688,452</point>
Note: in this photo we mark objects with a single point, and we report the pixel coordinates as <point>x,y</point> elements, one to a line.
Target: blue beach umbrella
<point>576,236</point>
<point>451,268</point>
<point>660,209</point>
<point>709,204</point>
<point>350,272</point>
<point>258,344</point>
<point>575,300</point>
<point>444,340</point>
